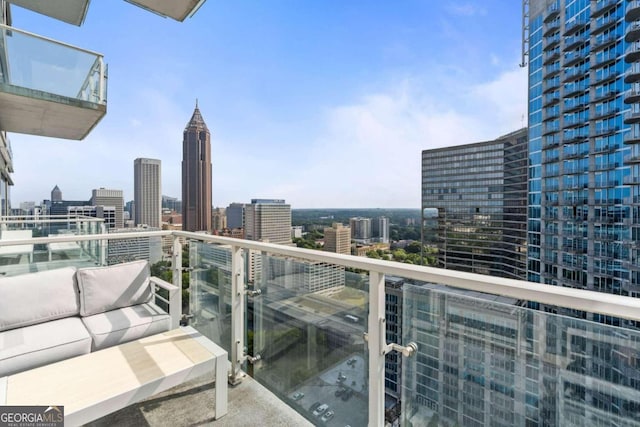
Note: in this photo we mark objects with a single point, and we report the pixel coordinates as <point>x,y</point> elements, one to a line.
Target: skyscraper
<point>235,215</point>
<point>106,198</point>
<point>147,193</point>
<point>337,238</point>
<point>482,213</point>
<point>196,175</point>
<point>360,229</point>
<point>584,120</point>
<point>56,194</point>
<point>268,220</point>
<point>380,229</point>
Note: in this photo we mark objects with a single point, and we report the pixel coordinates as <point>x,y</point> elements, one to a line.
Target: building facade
<point>147,192</point>
<point>235,215</point>
<point>380,229</point>
<point>106,198</point>
<point>584,103</point>
<point>56,194</point>
<point>219,219</point>
<point>482,214</point>
<point>196,175</point>
<point>268,220</point>
<point>337,238</point>
<point>360,230</point>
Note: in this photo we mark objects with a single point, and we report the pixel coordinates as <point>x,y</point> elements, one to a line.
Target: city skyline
<point>374,84</point>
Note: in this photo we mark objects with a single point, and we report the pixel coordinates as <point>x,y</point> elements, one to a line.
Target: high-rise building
<point>235,215</point>
<point>196,175</point>
<point>337,238</point>
<point>172,203</point>
<point>360,230</point>
<point>584,145</point>
<point>482,214</point>
<point>110,198</point>
<point>56,194</point>
<point>380,229</point>
<point>219,219</point>
<point>147,192</point>
<point>268,220</point>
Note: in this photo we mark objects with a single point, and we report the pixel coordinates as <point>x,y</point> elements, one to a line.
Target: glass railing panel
<point>37,63</point>
<point>307,326</point>
<point>488,360</point>
<point>210,291</point>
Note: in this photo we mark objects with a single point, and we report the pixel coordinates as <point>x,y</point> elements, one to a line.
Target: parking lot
<point>342,389</point>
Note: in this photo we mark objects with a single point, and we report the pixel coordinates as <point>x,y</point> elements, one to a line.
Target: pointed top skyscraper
<point>196,174</point>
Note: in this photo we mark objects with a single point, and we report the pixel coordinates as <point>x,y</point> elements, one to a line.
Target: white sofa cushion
<point>37,345</point>
<point>38,297</point>
<point>108,288</point>
<point>126,324</point>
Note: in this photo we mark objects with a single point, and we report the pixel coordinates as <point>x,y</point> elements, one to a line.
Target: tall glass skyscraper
<point>584,157</point>
<point>479,191</point>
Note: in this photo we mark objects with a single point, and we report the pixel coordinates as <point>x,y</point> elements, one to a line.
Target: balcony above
<point>632,11</point>
<point>69,11</point>
<point>632,96</point>
<point>632,74</point>
<point>603,42</point>
<point>601,25</point>
<point>632,117</point>
<point>632,54</point>
<point>176,9</point>
<point>49,88</point>
<point>602,7</point>
<point>632,33</point>
<point>574,27</point>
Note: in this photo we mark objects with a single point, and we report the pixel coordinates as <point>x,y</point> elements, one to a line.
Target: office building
<point>107,213</point>
<point>268,220</point>
<point>584,121</point>
<point>219,219</point>
<point>172,203</point>
<point>125,250</point>
<point>380,229</point>
<point>360,230</point>
<point>337,238</point>
<point>109,198</point>
<point>481,213</point>
<point>235,215</point>
<point>147,192</point>
<point>56,194</point>
<point>196,175</point>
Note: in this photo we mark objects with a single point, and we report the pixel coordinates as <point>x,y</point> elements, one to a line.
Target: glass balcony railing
<point>52,75</point>
<point>322,329</point>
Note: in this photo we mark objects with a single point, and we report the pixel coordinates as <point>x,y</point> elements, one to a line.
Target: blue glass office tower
<point>584,145</point>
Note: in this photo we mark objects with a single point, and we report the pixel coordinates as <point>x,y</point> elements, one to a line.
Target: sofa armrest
<point>174,301</point>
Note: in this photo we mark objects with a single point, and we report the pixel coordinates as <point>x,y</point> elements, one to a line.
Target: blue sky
<point>322,103</point>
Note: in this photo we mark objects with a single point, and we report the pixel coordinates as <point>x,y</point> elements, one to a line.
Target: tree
<point>413,247</point>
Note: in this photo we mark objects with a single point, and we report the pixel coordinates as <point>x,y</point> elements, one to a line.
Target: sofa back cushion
<point>34,298</point>
<point>108,288</point>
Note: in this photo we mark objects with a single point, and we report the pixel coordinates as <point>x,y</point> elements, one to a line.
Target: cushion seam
<point>46,348</point>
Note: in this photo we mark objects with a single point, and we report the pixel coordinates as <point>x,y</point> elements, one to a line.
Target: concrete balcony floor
<point>191,404</point>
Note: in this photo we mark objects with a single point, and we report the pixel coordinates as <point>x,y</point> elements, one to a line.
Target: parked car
<point>327,416</point>
<point>314,406</point>
<point>320,410</point>
<point>339,392</point>
<point>297,395</point>
<point>346,395</point>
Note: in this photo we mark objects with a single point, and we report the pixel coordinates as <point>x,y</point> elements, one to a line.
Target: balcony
<point>553,11</point>
<point>632,136</point>
<point>603,59</point>
<point>632,53</point>
<point>632,96</point>
<point>632,117</point>
<point>632,74</point>
<point>550,27</point>
<point>575,89</point>
<point>573,42</point>
<point>571,106</point>
<point>551,99</point>
<point>632,11</point>
<point>69,11</point>
<point>551,42</point>
<point>603,113</point>
<point>603,24</point>
<point>573,122</point>
<point>176,9</point>
<point>574,57</point>
<point>602,78</point>
<point>605,95</point>
<point>632,158</point>
<point>312,350</point>
<point>49,88</point>
<point>572,74</point>
<point>632,32</point>
<point>550,114</point>
<point>574,27</point>
<point>552,70</point>
<point>603,42</point>
<point>551,56</point>
<point>602,7</point>
<point>550,128</point>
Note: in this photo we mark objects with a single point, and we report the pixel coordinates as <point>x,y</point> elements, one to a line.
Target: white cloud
<point>466,9</point>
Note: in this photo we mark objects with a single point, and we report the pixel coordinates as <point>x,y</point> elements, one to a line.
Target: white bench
<point>17,249</point>
<point>99,383</point>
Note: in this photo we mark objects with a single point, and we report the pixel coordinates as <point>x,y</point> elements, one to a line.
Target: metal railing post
<point>238,299</point>
<point>176,266</point>
<point>377,341</point>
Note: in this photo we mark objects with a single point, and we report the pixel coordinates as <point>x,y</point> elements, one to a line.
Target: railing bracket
<point>254,293</point>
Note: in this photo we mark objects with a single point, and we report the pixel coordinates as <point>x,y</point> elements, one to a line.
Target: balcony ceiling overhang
<point>176,9</point>
<point>70,11</point>
<point>44,114</point>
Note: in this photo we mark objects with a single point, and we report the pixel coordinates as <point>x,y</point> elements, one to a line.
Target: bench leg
<point>221,390</point>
